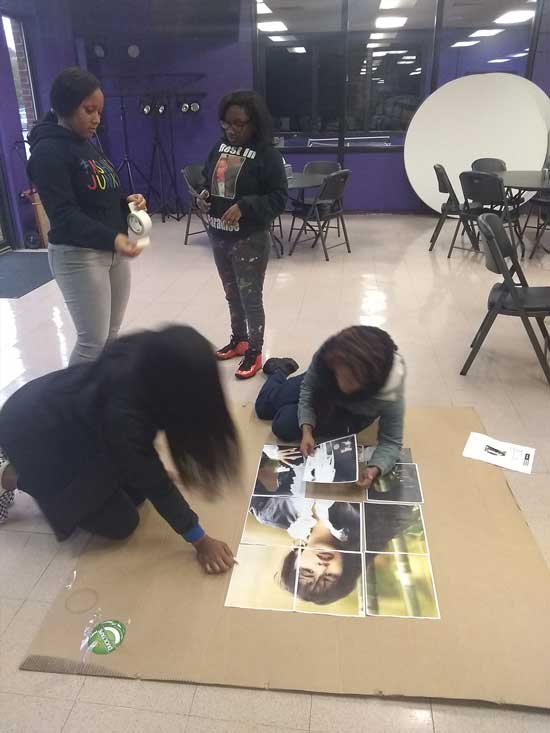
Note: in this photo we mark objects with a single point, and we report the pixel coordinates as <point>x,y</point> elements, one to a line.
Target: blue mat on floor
<point>22,272</point>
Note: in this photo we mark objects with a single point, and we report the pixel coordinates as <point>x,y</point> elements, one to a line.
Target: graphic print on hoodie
<point>251,176</point>
<point>78,186</point>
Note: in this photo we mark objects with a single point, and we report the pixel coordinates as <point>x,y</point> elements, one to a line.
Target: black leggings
<point>117,519</point>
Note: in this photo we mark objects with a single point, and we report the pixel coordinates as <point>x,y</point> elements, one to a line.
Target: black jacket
<point>252,176</point>
<point>78,187</point>
<point>75,441</point>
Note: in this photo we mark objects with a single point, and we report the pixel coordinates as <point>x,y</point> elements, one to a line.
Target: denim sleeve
<point>390,436</point>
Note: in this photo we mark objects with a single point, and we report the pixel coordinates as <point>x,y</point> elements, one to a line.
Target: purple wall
<point>379,183</point>
<point>50,45</point>
<point>226,65</point>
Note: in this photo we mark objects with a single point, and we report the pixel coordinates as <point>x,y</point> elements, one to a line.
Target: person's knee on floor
<point>277,370</point>
<point>285,424</point>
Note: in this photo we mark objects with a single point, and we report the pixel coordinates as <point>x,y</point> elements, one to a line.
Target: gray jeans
<point>96,287</point>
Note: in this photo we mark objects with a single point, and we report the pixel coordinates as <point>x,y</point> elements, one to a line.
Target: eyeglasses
<point>238,125</point>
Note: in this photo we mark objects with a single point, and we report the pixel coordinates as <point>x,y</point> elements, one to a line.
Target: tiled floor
<point>430,305</point>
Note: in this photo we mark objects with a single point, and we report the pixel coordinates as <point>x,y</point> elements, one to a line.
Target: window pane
<point>473,43</point>
<point>15,39</point>
<point>389,70</point>
<point>304,71</point>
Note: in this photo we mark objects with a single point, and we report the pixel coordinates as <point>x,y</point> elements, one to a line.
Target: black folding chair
<point>487,190</point>
<point>315,168</point>
<point>489,165</point>
<point>325,207</point>
<point>513,296</point>
<point>453,207</point>
<point>540,203</point>
<point>192,175</point>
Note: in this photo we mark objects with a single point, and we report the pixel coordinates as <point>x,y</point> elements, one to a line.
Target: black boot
<point>286,365</point>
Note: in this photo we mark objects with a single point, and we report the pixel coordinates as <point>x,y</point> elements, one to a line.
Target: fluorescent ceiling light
<point>515,16</point>
<point>395,4</point>
<point>297,49</point>
<point>498,61</point>
<point>519,55</point>
<point>486,32</point>
<point>272,26</point>
<point>405,63</point>
<point>409,58</point>
<point>391,21</point>
<point>263,9</point>
<point>382,36</point>
<point>461,44</point>
<point>418,69</point>
<point>281,39</point>
<point>379,53</point>
<point>398,53</point>
<point>414,73</point>
<point>375,45</point>
<point>381,81</point>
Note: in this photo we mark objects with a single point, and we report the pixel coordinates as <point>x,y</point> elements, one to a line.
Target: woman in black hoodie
<point>245,188</point>
<point>81,440</point>
<point>81,192</point>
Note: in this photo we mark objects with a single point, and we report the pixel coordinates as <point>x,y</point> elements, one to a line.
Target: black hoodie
<point>79,188</point>
<point>252,176</point>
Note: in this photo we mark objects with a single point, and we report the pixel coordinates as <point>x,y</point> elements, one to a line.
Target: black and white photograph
<point>281,471</point>
<point>401,485</point>
<point>296,521</point>
<point>394,528</point>
<point>333,462</point>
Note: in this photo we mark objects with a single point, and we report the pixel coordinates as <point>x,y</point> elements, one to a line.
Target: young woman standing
<point>81,192</point>
<point>245,188</point>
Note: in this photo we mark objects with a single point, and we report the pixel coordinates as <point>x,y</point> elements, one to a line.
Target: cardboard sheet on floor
<point>169,621</point>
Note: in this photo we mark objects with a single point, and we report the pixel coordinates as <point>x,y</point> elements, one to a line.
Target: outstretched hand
<point>367,476</point>
<point>215,556</point>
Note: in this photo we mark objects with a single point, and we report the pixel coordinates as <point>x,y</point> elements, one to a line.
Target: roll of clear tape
<point>140,224</point>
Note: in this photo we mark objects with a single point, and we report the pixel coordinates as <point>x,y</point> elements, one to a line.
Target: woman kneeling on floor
<point>356,377</point>
<point>81,440</point>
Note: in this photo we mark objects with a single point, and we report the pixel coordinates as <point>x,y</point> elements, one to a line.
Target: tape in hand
<point>140,224</point>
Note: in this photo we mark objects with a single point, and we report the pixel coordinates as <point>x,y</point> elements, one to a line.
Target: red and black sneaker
<point>234,348</point>
<point>250,365</point>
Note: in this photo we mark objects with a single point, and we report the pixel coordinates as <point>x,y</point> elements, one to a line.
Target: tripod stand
<point>127,164</point>
<point>170,204</point>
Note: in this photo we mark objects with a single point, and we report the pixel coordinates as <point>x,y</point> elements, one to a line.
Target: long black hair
<point>173,375</point>
<point>255,107</point>
<point>70,88</point>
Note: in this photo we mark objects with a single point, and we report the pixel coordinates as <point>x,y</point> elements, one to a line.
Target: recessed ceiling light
<point>272,26</point>
<point>409,58</point>
<point>515,16</point>
<point>395,4</point>
<point>414,73</point>
<point>391,21</point>
<point>405,63</point>
<point>461,44</point>
<point>379,53</point>
<point>519,55</point>
<point>376,78</point>
<point>382,36</point>
<point>498,61</point>
<point>263,9</point>
<point>297,49</point>
<point>418,69</point>
<point>397,53</point>
<point>375,45</point>
<point>281,39</point>
<point>486,32</point>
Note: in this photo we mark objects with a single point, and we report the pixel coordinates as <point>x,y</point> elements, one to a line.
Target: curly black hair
<point>70,88</point>
<point>255,107</point>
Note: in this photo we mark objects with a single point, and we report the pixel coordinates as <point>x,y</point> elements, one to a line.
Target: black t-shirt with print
<point>79,188</point>
<point>251,176</point>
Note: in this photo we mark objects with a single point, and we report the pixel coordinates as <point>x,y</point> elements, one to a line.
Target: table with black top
<point>298,182</point>
<point>523,181</point>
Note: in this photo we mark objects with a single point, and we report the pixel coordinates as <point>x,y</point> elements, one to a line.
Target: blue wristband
<point>194,534</point>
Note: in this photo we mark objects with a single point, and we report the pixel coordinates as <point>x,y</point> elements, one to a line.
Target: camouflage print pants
<point>242,265</point>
